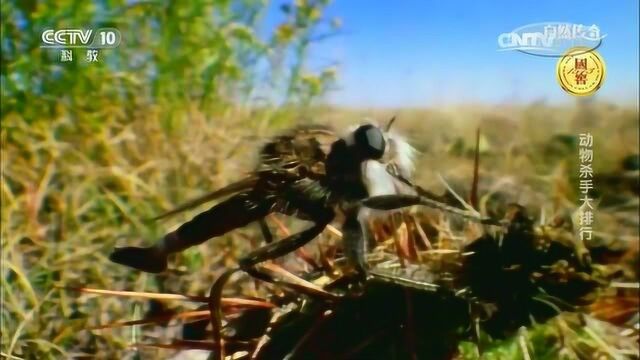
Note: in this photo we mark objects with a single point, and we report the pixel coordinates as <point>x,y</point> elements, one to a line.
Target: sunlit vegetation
<point>91,152</point>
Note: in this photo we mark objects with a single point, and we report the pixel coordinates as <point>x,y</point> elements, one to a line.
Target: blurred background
<point>90,151</point>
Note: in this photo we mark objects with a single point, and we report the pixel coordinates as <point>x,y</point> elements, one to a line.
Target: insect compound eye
<point>369,141</point>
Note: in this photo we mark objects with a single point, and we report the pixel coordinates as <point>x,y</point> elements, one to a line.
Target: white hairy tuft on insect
<point>401,153</point>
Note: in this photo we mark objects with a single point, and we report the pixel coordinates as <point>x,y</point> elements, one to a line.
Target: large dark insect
<point>311,174</point>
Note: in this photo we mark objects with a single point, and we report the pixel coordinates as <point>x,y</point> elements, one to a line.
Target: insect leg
<point>233,213</point>
<point>266,233</point>
<point>355,236</point>
<point>392,202</point>
<point>282,247</point>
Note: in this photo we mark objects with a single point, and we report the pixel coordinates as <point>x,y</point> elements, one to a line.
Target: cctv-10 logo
<point>104,38</point>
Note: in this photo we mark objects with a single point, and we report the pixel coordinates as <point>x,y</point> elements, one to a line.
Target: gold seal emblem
<point>580,71</point>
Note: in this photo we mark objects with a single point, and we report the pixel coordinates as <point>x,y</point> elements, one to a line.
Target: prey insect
<point>309,173</point>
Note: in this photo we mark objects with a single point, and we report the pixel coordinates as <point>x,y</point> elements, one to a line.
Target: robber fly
<point>309,173</point>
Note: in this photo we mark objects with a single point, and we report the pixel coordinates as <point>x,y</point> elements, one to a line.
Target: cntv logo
<point>551,39</point>
<point>62,38</point>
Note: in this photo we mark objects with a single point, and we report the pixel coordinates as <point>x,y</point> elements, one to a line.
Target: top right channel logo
<point>580,70</point>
